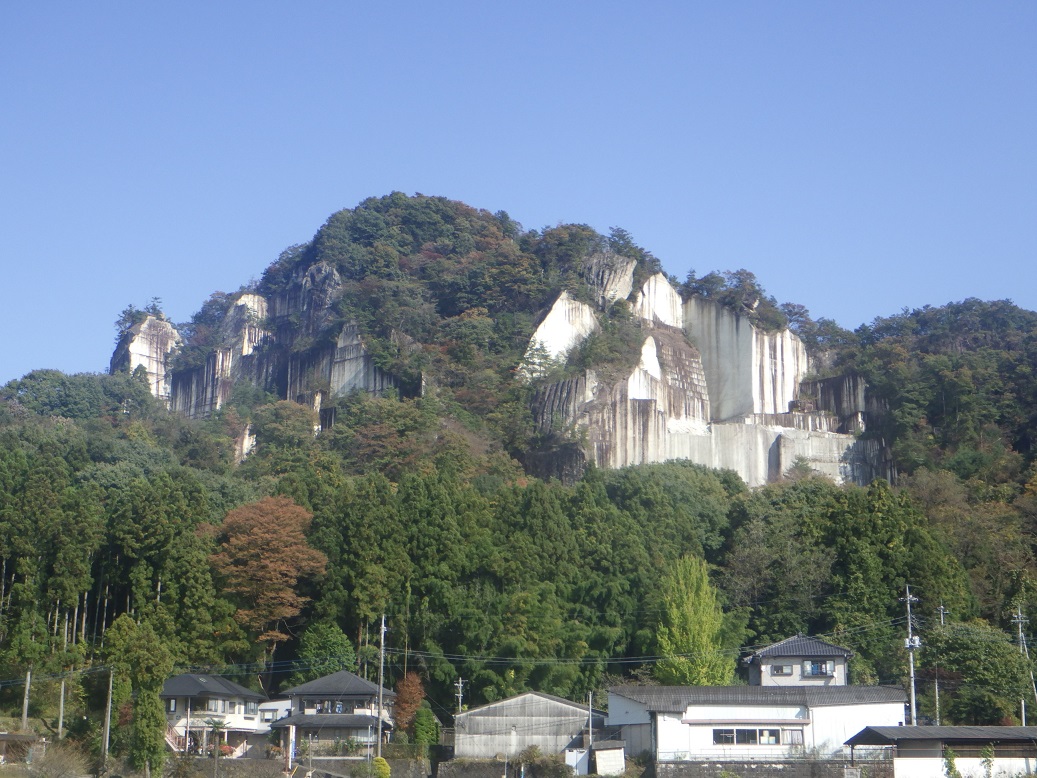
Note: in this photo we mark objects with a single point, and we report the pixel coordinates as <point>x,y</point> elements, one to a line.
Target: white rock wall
<point>567,324</point>
<point>748,371</point>
<point>352,368</point>
<point>148,343</point>
<point>726,407</point>
<point>659,303</point>
<point>243,323</point>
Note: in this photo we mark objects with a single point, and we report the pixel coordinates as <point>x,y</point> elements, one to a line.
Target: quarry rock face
<point>611,276</point>
<point>567,324</point>
<point>713,389</point>
<point>148,344</point>
<point>707,386</point>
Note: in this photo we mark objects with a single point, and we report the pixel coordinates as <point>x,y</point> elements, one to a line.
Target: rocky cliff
<point>622,369</point>
<point>148,344</point>
<point>711,388</point>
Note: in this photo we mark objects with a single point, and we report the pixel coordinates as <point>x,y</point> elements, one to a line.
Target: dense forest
<point>130,539</point>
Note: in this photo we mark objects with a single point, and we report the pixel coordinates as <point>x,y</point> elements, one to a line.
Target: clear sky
<point>859,158</point>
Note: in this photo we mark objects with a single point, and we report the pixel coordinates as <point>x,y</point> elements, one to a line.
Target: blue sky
<point>859,158</point>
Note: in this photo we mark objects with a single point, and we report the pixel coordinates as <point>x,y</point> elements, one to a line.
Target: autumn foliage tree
<point>409,694</point>
<point>262,557</point>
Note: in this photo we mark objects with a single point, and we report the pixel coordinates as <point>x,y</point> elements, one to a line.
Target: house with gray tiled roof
<point>748,723</point>
<point>799,660</point>
<point>333,711</point>
<point>797,702</point>
<point>199,706</point>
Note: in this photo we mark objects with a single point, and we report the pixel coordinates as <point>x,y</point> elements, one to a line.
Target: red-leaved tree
<point>263,555</point>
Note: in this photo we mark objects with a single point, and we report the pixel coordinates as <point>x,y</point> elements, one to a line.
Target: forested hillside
<point>418,507</point>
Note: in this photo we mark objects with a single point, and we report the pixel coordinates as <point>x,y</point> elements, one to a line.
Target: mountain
<point>610,364</point>
<point>446,357</point>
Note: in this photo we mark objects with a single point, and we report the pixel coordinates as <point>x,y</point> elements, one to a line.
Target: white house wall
<point>934,767</point>
<point>825,729</point>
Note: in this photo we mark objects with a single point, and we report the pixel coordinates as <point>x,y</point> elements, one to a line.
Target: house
<point>508,727</point>
<point>748,723</point>
<point>799,660</point>
<point>336,715</point>
<point>920,752</point>
<point>201,708</point>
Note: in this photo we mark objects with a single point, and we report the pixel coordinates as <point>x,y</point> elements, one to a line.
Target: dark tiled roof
<point>330,721</point>
<point>672,699</point>
<point>805,646</point>
<point>201,685</point>
<point>340,684</point>
<point>887,736</point>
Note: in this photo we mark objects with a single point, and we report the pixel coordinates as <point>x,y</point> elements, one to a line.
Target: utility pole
<point>590,730</point>
<point>381,677</point>
<point>1019,619</point>
<point>459,683</point>
<point>106,736</point>
<point>911,644</point>
<point>936,686</point>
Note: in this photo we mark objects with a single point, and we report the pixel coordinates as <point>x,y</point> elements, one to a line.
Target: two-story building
<point>202,709</point>
<point>797,702</point>
<point>338,711</point>
<point>799,661</point>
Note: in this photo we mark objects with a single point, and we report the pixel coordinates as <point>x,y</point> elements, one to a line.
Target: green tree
<point>983,676</point>
<point>426,728</point>
<point>323,649</point>
<point>137,652</point>
<point>690,630</point>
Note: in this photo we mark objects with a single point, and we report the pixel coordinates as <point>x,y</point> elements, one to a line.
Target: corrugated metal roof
<point>340,684</point>
<point>506,702</point>
<point>203,685</point>
<point>803,646</point>
<point>888,736</point>
<point>674,699</point>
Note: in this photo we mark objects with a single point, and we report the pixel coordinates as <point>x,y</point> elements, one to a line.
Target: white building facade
<point>748,723</point>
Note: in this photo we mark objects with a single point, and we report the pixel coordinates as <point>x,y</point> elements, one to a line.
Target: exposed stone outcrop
<point>344,368</point>
<point>749,371</point>
<point>710,388</point>
<point>610,275</point>
<point>200,391</point>
<point>567,324</point>
<point>659,303</point>
<point>148,343</point>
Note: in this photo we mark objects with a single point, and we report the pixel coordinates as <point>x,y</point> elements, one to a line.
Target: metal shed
<point>510,726</point>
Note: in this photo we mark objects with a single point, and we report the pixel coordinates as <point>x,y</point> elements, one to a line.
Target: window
<point>749,737</point>
<point>252,707</point>
<point>793,737</point>
<point>210,705</point>
<point>723,737</point>
<point>770,737</point>
<point>781,669</point>
<point>232,707</point>
<point>171,705</point>
<point>816,668</point>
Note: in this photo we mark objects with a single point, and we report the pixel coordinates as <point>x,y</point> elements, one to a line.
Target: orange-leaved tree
<point>262,557</point>
<point>409,694</point>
